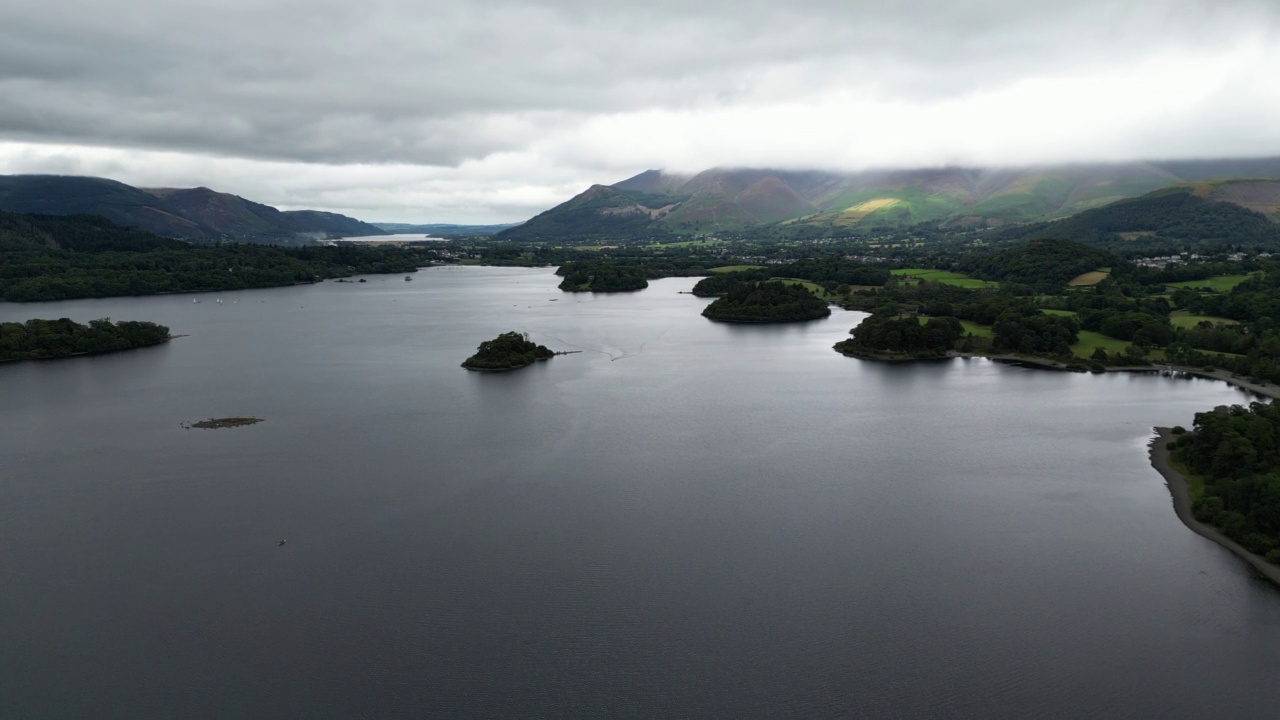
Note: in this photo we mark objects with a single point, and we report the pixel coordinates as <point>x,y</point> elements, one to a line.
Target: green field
<point>1090,340</point>
<point>1184,319</point>
<point>970,327</point>
<point>1060,313</point>
<point>735,268</point>
<point>945,277</point>
<point>1217,283</point>
<point>976,330</point>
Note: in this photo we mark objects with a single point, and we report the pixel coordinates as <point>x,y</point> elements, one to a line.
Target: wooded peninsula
<point>766,302</point>
<point>1230,461</point>
<point>48,339</point>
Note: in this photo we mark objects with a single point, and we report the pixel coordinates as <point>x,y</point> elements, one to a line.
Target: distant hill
<point>441,229</point>
<point>195,214</point>
<point>600,211</point>
<point>59,257</point>
<point>1244,213</point>
<point>831,204</point>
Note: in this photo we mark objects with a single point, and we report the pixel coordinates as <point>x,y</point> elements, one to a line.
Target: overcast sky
<point>492,111</point>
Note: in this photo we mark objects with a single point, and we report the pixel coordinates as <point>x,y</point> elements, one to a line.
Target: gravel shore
<point>1182,506</point>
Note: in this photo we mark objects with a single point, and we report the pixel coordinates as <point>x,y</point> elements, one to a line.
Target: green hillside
<point>815,203</point>
<point>1174,218</point>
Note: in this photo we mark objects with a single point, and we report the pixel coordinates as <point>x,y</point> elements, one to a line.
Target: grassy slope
<point>1217,283</point>
<point>1184,319</point>
<point>945,277</point>
<point>881,206</point>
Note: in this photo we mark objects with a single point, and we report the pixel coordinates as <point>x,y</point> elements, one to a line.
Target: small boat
<point>279,543</point>
<point>407,278</point>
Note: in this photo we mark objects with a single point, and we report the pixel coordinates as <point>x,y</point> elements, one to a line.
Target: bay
<point>684,519</point>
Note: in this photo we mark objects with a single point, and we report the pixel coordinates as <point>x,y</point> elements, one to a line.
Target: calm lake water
<point>687,519</point>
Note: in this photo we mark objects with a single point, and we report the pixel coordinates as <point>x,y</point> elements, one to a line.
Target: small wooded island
<point>508,351</point>
<point>766,302</point>
<point>47,339</point>
<point>584,276</point>
<point>225,422</point>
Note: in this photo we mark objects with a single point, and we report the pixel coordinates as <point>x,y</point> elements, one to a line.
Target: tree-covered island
<point>766,302</point>
<point>48,339</point>
<point>586,276</point>
<point>508,351</point>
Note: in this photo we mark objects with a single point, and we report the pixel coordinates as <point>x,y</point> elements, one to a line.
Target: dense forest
<point>1235,452</point>
<point>587,276</point>
<point>766,302</point>
<point>1046,264</point>
<point>65,257</point>
<point>44,339</point>
<point>508,351</point>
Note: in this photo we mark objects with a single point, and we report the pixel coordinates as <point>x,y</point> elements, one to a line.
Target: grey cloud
<point>467,111</point>
<point>441,82</point>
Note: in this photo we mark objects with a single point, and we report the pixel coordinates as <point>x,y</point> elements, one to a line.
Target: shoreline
<point>1181,493</point>
<point>1270,391</point>
<point>1226,376</point>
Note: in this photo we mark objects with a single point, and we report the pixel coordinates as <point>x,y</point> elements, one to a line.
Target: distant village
<point>1164,261</point>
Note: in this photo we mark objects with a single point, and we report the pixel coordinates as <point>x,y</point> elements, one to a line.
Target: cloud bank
<point>466,112</point>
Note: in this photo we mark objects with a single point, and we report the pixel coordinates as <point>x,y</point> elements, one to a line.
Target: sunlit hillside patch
<point>855,213</point>
<point>1089,278</point>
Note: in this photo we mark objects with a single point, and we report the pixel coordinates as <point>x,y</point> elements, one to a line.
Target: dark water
<point>687,520</point>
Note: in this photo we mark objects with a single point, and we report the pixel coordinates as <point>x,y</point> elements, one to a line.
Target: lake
<point>686,519</point>
<point>394,237</point>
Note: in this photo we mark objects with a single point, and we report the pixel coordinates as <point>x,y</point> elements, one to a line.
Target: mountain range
<point>194,214</point>
<point>818,203</point>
